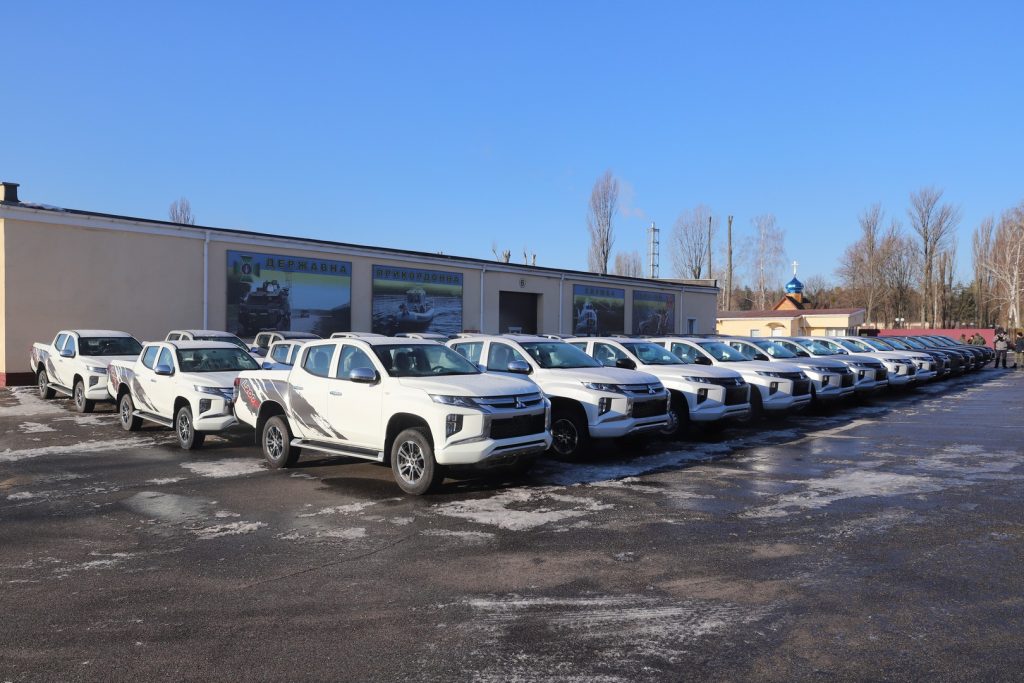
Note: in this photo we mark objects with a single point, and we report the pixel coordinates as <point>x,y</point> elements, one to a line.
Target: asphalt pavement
<point>882,541</point>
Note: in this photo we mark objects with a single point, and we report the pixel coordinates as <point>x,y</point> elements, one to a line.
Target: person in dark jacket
<point>1001,345</point>
<point>1018,351</point>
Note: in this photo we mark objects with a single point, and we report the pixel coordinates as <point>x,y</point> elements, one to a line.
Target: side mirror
<point>163,369</point>
<point>520,367</point>
<point>625,364</point>
<point>803,354</point>
<point>67,353</point>
<point>761,356</point>
<point>362,375</point>
<point>702,360</point>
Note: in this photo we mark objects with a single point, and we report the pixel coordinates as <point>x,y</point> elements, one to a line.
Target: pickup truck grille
<point>510,402</point>
<point>881,374</point>
<point>641,389</point>
<point>650,408</point>
<point>801,387</point>
<point>846,380</point>
<point>726,381</point>
<point>520,425</point>
<point>736,395</point>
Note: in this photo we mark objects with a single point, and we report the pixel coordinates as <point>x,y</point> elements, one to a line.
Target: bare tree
<point>1005,263</point>
<point>981,248</point>
<point>863,261</point>
<point>604,199</point>
<point>180,211</point>
<point>629,264</point>
<point>765,256</point>
<point>819,291</point>
<point>902,265</point>
<point>691,242</point>
<point>934,224</point>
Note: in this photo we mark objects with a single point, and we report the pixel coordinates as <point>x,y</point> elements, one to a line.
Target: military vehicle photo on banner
<point>411,300</point>
<point>278,292</point>
<point>598,310</point>
<point>654,313</point>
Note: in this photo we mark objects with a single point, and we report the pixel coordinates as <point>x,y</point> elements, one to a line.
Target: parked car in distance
<point>75,364</point>
<point>958,361</point>
<point>205,335</point>
<point>186,385</point>
<point>412,403</point>
<point>588,400</point>
<point>282,354</point>
<point>871,375</point>
<point>926,368</point>
<point>776,388</point>
<point>902,372</point>
<point>355,335</point>
<point>831,380</point>
<point>700,393</point>
<point>264,339</point>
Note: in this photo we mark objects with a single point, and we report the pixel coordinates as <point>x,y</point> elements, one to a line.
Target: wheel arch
<point>398,423</point>
<point>268,410</point>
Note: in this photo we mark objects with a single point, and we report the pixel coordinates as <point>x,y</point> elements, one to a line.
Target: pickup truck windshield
<point>822,348</point>
<point>230,339</point>
<point>880,345</point>
<point>215,360</point>
<point>856,347</point>
<point>422,360</point>
<point>556,355</point>
<point>652,354</point>
<point>774,349</point>
<point>722,352</point>
<point>109,346</point>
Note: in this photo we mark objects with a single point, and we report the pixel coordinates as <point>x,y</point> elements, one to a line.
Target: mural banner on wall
<point>598,310</point>
<point>653,312</point>
<point>280,292</point>
<point>412,300</point>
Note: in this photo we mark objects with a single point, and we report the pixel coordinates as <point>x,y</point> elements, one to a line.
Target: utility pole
<point>728,271</point>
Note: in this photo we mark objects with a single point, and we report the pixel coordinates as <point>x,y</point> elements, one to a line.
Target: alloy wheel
<point>565,436</point>
<point>411,462</point>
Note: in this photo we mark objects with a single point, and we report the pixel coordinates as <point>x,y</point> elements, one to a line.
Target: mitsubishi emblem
<point>519,403</point>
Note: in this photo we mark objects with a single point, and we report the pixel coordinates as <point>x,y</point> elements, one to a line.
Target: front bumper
<point>96,387</point>
<point>473,443</point>
<point>212,413</point>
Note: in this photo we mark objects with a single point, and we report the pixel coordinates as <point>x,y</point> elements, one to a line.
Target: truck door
<point>354,408</point>
<point>307,393</point>
<point>164,389</point>
<point>66,366</point>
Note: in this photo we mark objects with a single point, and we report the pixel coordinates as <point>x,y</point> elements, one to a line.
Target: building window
<point>755,332</point>
<point>836,332</point>
<point>691,326</point>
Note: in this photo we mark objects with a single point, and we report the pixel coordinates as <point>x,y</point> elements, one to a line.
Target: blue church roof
<point>794,286</point>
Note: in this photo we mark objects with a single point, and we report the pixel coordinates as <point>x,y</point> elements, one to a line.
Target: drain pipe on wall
<point>206,281</point>
<point>561,298</point>
<point>482,271</point>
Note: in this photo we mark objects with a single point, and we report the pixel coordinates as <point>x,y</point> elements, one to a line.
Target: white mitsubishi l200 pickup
<point>75,364</point>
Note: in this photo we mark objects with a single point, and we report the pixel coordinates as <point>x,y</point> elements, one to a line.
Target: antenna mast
<point>654,249</point>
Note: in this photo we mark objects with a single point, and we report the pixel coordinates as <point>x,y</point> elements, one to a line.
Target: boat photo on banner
<point>654,313</point>
<point>598,310</point>
<point>294,293</point>
<point>413,300</point>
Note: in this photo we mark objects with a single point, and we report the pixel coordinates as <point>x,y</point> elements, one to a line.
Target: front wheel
<point>678,418</point>
<point>568,434</point>
<point>45,392</point>
<point>82,404</point>
<point>277,444</point>
<point>412,462</point>
<point>188,438</point>
<point>125,411</point>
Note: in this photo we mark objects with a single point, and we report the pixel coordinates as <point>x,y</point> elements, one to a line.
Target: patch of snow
<point>35,428</point>
<point>472,536</point>
<point>74,449</point>
<point>222,514</point>
<point>165,480</point>
<point>345,509</point>
<point>345,534</point>
<point>230,529</point>
<point>25,495</point>
<point>219,469</point>
<point>522,509</point>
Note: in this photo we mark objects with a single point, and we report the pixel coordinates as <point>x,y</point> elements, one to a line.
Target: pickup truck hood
<point>600,375</point>
<point>103,360</point>
<point>484,384</point>
<point>758,365</point>
<point>210,379</point>
<point>689,370</point>
<point>815,362</point>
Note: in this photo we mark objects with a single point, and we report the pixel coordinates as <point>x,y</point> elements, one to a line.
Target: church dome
<point>794,286</point>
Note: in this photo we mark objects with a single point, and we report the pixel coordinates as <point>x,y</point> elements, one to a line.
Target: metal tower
<point>654,249</point>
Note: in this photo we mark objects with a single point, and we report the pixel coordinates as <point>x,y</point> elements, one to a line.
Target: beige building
<point>831,322</point>
<point>64,268</point>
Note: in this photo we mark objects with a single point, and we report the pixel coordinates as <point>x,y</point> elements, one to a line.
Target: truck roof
<point>208,333</point>
<point>99,333</point>
<point>189,344</point>
<point>507,337</point>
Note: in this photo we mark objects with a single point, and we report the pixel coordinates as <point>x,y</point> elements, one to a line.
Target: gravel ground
<point>882,541</point>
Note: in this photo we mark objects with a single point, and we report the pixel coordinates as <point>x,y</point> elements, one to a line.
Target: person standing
<point>963,338</point>
<point>1001,345</point>
<point>1018,351</point>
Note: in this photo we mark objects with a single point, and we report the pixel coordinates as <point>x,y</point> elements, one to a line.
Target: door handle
<point>335,393</point>
<point>297,388</point>
<point>152,380</point>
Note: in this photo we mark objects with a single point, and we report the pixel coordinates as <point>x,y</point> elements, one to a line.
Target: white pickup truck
<point>187,385</point>
<point>699,393</point>
<point>588,400</point>
<point>75,364</point>
<point>413,403</point>
<point>282,354</point>
<point>263,340</point>
<point>205,335</point>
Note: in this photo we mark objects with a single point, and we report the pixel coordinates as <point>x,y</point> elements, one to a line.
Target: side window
<point>165,358</point>
<point>280,353</point>
<point>262,341</point>
<point>317,360</point>
<point>606,354</point>
<point>149,356</point>
<point>70,345</point>
<point>470,350</point>
<point>173,337</point>
<point>352,358</point>
<point>500,355</point>
<point>58,343</point>
<point>582,346</point>
<point>687,353</point>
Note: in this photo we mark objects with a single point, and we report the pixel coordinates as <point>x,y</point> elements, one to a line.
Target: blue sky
<point>449,126</point>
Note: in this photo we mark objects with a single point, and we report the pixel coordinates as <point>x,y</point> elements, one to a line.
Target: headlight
<point>97,369</point>
<point>599,386</point>
<point>460,401</point>
<point>766,373</point>
<point>219,392</point>
<point>822,369</point>
<point>698,380</point>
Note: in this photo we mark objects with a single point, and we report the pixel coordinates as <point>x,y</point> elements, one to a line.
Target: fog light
<point>773,388</point>
<point>702,395</point>
<point>204,405</point>
<point>452,425</point>
<point>93,380</point>
<point>604,405</point>
<point>860,374</point>
<point>825,380</point>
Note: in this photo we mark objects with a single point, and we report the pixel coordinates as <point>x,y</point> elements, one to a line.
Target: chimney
<point>9,192</point>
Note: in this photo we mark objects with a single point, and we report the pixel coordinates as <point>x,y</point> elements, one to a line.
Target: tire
<point>184,428</point>
<point>45,392</point>
<point>125,408</point>
<point>82,404</point>
<point>569,432</point>
<point>412,463</point>
<point>679,418</point>
<point>275,442</point>
<point>756,406</point>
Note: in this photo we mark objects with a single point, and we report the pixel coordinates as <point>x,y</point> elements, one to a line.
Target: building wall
<point>3,306</point>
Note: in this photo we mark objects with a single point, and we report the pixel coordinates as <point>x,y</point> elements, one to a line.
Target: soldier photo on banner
<point>654,313</point>
<point>414,300</point>
<point>281,292</point>
<point>598,310</point>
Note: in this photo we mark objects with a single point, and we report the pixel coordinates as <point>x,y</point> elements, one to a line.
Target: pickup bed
<point>413,403</point>
<point>75,364</point>
<point>187,385</point>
